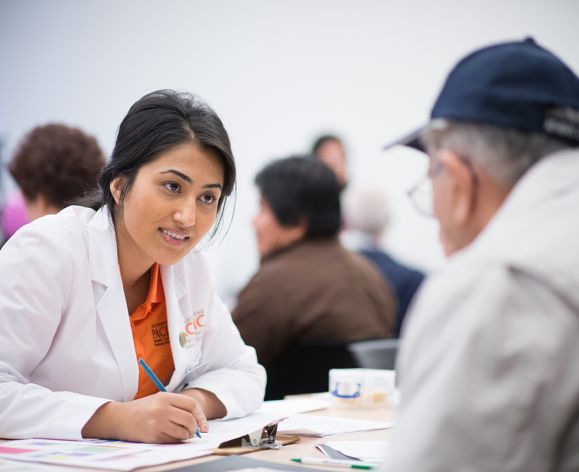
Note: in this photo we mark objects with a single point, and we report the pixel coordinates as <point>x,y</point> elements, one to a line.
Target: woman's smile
<point>174,238</point>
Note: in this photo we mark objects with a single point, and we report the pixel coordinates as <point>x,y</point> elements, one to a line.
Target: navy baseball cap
<point>517,85</point>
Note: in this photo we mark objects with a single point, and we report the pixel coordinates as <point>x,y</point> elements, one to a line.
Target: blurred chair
<point>374,353</point>
<point>305,369</point>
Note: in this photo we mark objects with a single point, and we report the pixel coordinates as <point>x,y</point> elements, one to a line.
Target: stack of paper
<point>367,451</point>
<point>320,426</point>
<point>292,407</point>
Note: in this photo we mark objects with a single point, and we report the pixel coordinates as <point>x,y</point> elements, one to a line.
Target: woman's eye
<point>208,199</point>
<point>172,187</point>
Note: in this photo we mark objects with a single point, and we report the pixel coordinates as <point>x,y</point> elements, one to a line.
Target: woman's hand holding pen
<point>159,418</point>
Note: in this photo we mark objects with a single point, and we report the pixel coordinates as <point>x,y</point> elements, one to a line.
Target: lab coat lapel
<point>110,299</point>
<point>177,304</point>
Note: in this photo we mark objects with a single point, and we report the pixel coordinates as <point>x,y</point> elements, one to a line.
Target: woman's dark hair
<point>58,162</point>
<point>158,122</point>
<point>300,188</point>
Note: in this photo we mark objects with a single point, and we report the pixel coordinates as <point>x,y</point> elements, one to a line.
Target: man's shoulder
<point>458,278</point>
<point>270,274</point>
<point>475,294</point>
<point>300,256</point>
<point>300,268</point>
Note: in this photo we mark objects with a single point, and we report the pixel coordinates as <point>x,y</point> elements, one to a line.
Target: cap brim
<point>411,140</point>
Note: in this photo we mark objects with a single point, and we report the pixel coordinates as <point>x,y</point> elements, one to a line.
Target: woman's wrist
<point>104,422</point>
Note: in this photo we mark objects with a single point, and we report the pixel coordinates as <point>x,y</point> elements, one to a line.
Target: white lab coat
<point>66,345</point>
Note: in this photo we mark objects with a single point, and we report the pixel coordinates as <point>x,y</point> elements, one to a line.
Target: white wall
<point>278,73</point>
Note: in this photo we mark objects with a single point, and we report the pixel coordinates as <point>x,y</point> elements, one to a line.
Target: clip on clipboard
<point>263,438</point>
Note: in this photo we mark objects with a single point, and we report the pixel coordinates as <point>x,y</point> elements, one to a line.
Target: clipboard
<point>262,438</point>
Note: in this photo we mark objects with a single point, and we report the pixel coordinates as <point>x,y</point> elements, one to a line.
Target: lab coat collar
<point>104,265</point>
<point>112,305</point>
<point>172,283</point>
<point>110,300</point>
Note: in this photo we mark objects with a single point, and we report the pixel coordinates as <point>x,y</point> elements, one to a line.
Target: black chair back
<point>305,369</point>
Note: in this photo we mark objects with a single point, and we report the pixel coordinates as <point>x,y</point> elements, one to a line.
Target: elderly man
<point>488,366</point>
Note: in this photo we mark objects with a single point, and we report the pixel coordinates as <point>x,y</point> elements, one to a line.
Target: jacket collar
<point>534,231</point>
<point>553,175</point>
<point>109,297</point>
<point>103,259</point>
<point>111,303</point>
<point>300,243</point>
<point>549,180</point>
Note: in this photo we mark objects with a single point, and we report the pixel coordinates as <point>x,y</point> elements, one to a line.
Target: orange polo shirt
<point>151,336</point>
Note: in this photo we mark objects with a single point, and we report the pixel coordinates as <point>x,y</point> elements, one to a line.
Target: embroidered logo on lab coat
<point>193,329</point>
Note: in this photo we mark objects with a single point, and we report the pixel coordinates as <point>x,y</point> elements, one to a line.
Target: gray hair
<point>366,209</point>
<point>505,154</point>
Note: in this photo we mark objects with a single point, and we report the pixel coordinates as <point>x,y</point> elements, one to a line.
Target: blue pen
<point>158,384</point>
<point>152,375</point>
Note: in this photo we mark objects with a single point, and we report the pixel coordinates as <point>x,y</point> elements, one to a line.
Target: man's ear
<point>461,185</point>
<point>116,188</point>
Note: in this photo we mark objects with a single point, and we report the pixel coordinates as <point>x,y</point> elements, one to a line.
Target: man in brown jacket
<point>308,289</point>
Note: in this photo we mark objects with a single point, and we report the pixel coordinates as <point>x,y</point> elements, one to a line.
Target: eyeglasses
<point>420,194</point>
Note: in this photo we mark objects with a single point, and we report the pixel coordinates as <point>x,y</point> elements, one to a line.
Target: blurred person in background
<point>308,287</point>
<point>14,215</point>
<point>329,149</point>
<point>366,218</point>
<point>54,165</point>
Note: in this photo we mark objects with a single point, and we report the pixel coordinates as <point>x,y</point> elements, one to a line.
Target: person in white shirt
<point>84,294</point>
<point>488,366</point>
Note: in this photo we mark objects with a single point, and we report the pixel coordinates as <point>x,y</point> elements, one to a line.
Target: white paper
<point>367,451</point>
<point>15,466</point>
<point>104,454</point>
<point>320,426</point>
<point>292,407</point>
<point>118,455</point>
<point>223,430</point>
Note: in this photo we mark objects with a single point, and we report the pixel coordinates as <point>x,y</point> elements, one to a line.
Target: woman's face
<point>171,205</point>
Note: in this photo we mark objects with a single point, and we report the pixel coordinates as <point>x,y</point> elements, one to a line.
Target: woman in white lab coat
<point>71,283</point>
